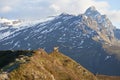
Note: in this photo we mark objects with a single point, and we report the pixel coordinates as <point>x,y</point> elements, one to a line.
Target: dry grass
<point>54,66</point>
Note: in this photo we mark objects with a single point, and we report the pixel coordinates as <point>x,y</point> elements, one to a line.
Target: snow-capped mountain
<point>86,38</point>
<point>6,22</point>
<point>101,24</point>
<point>9,27</point>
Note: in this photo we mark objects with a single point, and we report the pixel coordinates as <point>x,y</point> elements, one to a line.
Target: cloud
<point>41,8</point>
<point>114,16</point>
<point>55,7</point>
<point>77,6</point>
<point>5,9</point>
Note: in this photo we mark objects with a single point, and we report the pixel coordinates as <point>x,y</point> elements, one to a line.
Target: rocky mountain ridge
<point>43,66</point>
<point>40,65</point>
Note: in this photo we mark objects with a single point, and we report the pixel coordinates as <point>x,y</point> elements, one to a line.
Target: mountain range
<point>89,38</point>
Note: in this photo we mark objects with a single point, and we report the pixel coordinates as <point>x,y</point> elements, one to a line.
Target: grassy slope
<point>54,66</point>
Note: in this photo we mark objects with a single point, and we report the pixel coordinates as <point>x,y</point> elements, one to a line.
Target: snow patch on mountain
<point>107,57</point>
<point>8,28</point>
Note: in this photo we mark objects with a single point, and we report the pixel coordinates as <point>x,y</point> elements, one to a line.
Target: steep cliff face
<point>101,24</point>
<point>43,66</point>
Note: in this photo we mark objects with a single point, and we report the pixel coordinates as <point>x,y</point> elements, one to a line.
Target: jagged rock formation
<point>101,24</point>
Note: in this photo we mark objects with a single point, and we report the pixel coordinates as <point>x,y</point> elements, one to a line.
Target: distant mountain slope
<point>104,77</point>
<point>6,22</point>
<point>117,33</point>
<point>43,66</point>
<point>80,37</point>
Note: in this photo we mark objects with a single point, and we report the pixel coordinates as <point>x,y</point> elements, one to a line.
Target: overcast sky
<point>37,9</point>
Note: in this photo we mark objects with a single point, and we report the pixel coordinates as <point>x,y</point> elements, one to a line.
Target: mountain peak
<point>91,11</point>
<point>65,14</point>
<point>92,8</point>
